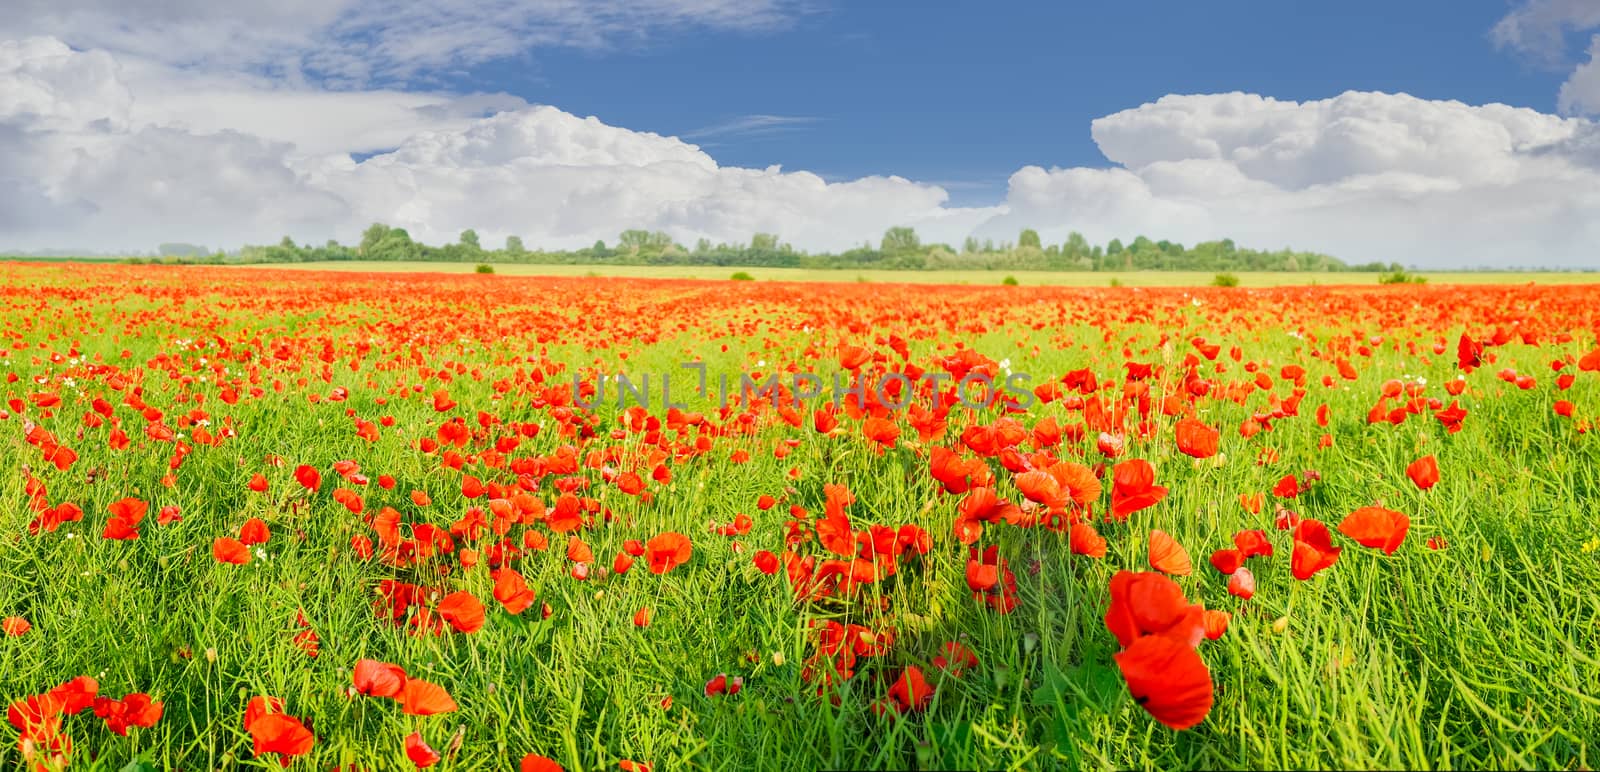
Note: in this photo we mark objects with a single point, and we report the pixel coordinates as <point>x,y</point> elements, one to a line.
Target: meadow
<point>269,517</point>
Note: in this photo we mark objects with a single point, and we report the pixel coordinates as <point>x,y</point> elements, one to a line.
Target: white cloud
<point>1363,176</point>
<point>1580,94</point>
<point>137,175</point>
<point>751,126</point>
<point>1539,29</point>
<point>313,120</point>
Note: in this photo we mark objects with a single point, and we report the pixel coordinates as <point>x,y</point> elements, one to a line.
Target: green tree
<point>900,240</point>
<point>469,239</point>
<point>396,244</point>
<point>1115,247</point>
<point>371,236</point>
<point>180,249</point>
<point>514,245</point>
<point>638,241</point>
<point>1029,238</point>
<point>1077,246</point>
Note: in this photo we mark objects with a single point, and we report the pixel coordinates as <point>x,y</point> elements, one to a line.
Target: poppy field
<point>277,518</point>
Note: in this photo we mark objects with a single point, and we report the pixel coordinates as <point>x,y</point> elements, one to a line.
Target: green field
<point>1027,278</point>
<point>409,444</point>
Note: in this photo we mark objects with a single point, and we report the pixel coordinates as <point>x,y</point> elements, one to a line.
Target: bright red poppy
<point>667,551</point>
<point>1376,527</point>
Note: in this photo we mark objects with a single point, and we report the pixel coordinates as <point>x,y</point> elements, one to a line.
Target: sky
<point>1433,133</point>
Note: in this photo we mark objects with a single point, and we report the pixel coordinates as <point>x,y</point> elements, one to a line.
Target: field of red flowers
<point>363,521</point>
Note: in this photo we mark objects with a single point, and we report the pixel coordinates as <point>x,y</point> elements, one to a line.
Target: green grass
<point>1483,654</point>
<point>1036,278</point>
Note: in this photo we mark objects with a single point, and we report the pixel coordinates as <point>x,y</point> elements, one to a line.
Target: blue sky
<point>1427,132</point>
<point>965,93</point>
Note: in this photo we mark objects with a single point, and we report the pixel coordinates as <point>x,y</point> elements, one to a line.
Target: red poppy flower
<point>132,710</point>
<point>423,698</point>
<point>125,517</point>
<point>667,551</point>
<point>308,477</point>
<point>956,659</point>
<point>1216,623</point>
<point>1313,549</point>
<point>418,751</point>
<point>766,562</point>
<point>1424,472</point>
<point>227,550</point>
<point>1133,488</point>
<point>1148,603</point>
<point>253,532</point>
<point>536,763</point>
<point>463,611</point>
<point>1168,679</point>
<point>1227,561</point>
<point>1085,540</point>
<point>911,691</point>
<point>1167,556</point>
<point>281,734</point>
<point>1376,527</point>
<point>1287,488</point>
<point>1252,543</point>
<point>512,591</point>
<point>1196,438</point>
<point>379,679</point>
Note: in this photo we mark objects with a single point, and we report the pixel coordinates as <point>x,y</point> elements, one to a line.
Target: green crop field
<point>259,517</point>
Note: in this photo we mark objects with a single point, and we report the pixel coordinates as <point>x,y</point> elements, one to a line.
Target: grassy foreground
<point>1025,278</point>
<point>1474,644</point>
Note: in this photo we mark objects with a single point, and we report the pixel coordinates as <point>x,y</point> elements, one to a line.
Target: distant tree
<point>371,236</point>
<point>633,240</point>
<point>900,240</point>
<point>396,244</point>
<point>1077,246</point>
<point>181,249</point>
<point>643,242</point>
<point>900,249</point>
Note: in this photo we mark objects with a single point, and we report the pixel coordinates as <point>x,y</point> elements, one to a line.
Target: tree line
<point>899,249</point>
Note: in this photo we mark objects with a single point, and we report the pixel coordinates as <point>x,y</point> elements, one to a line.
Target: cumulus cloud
<point>106,171</point>
<point>1580,94</point>
<point>315,121</point>
<point>1364,176</point>
<point>93,155</point>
